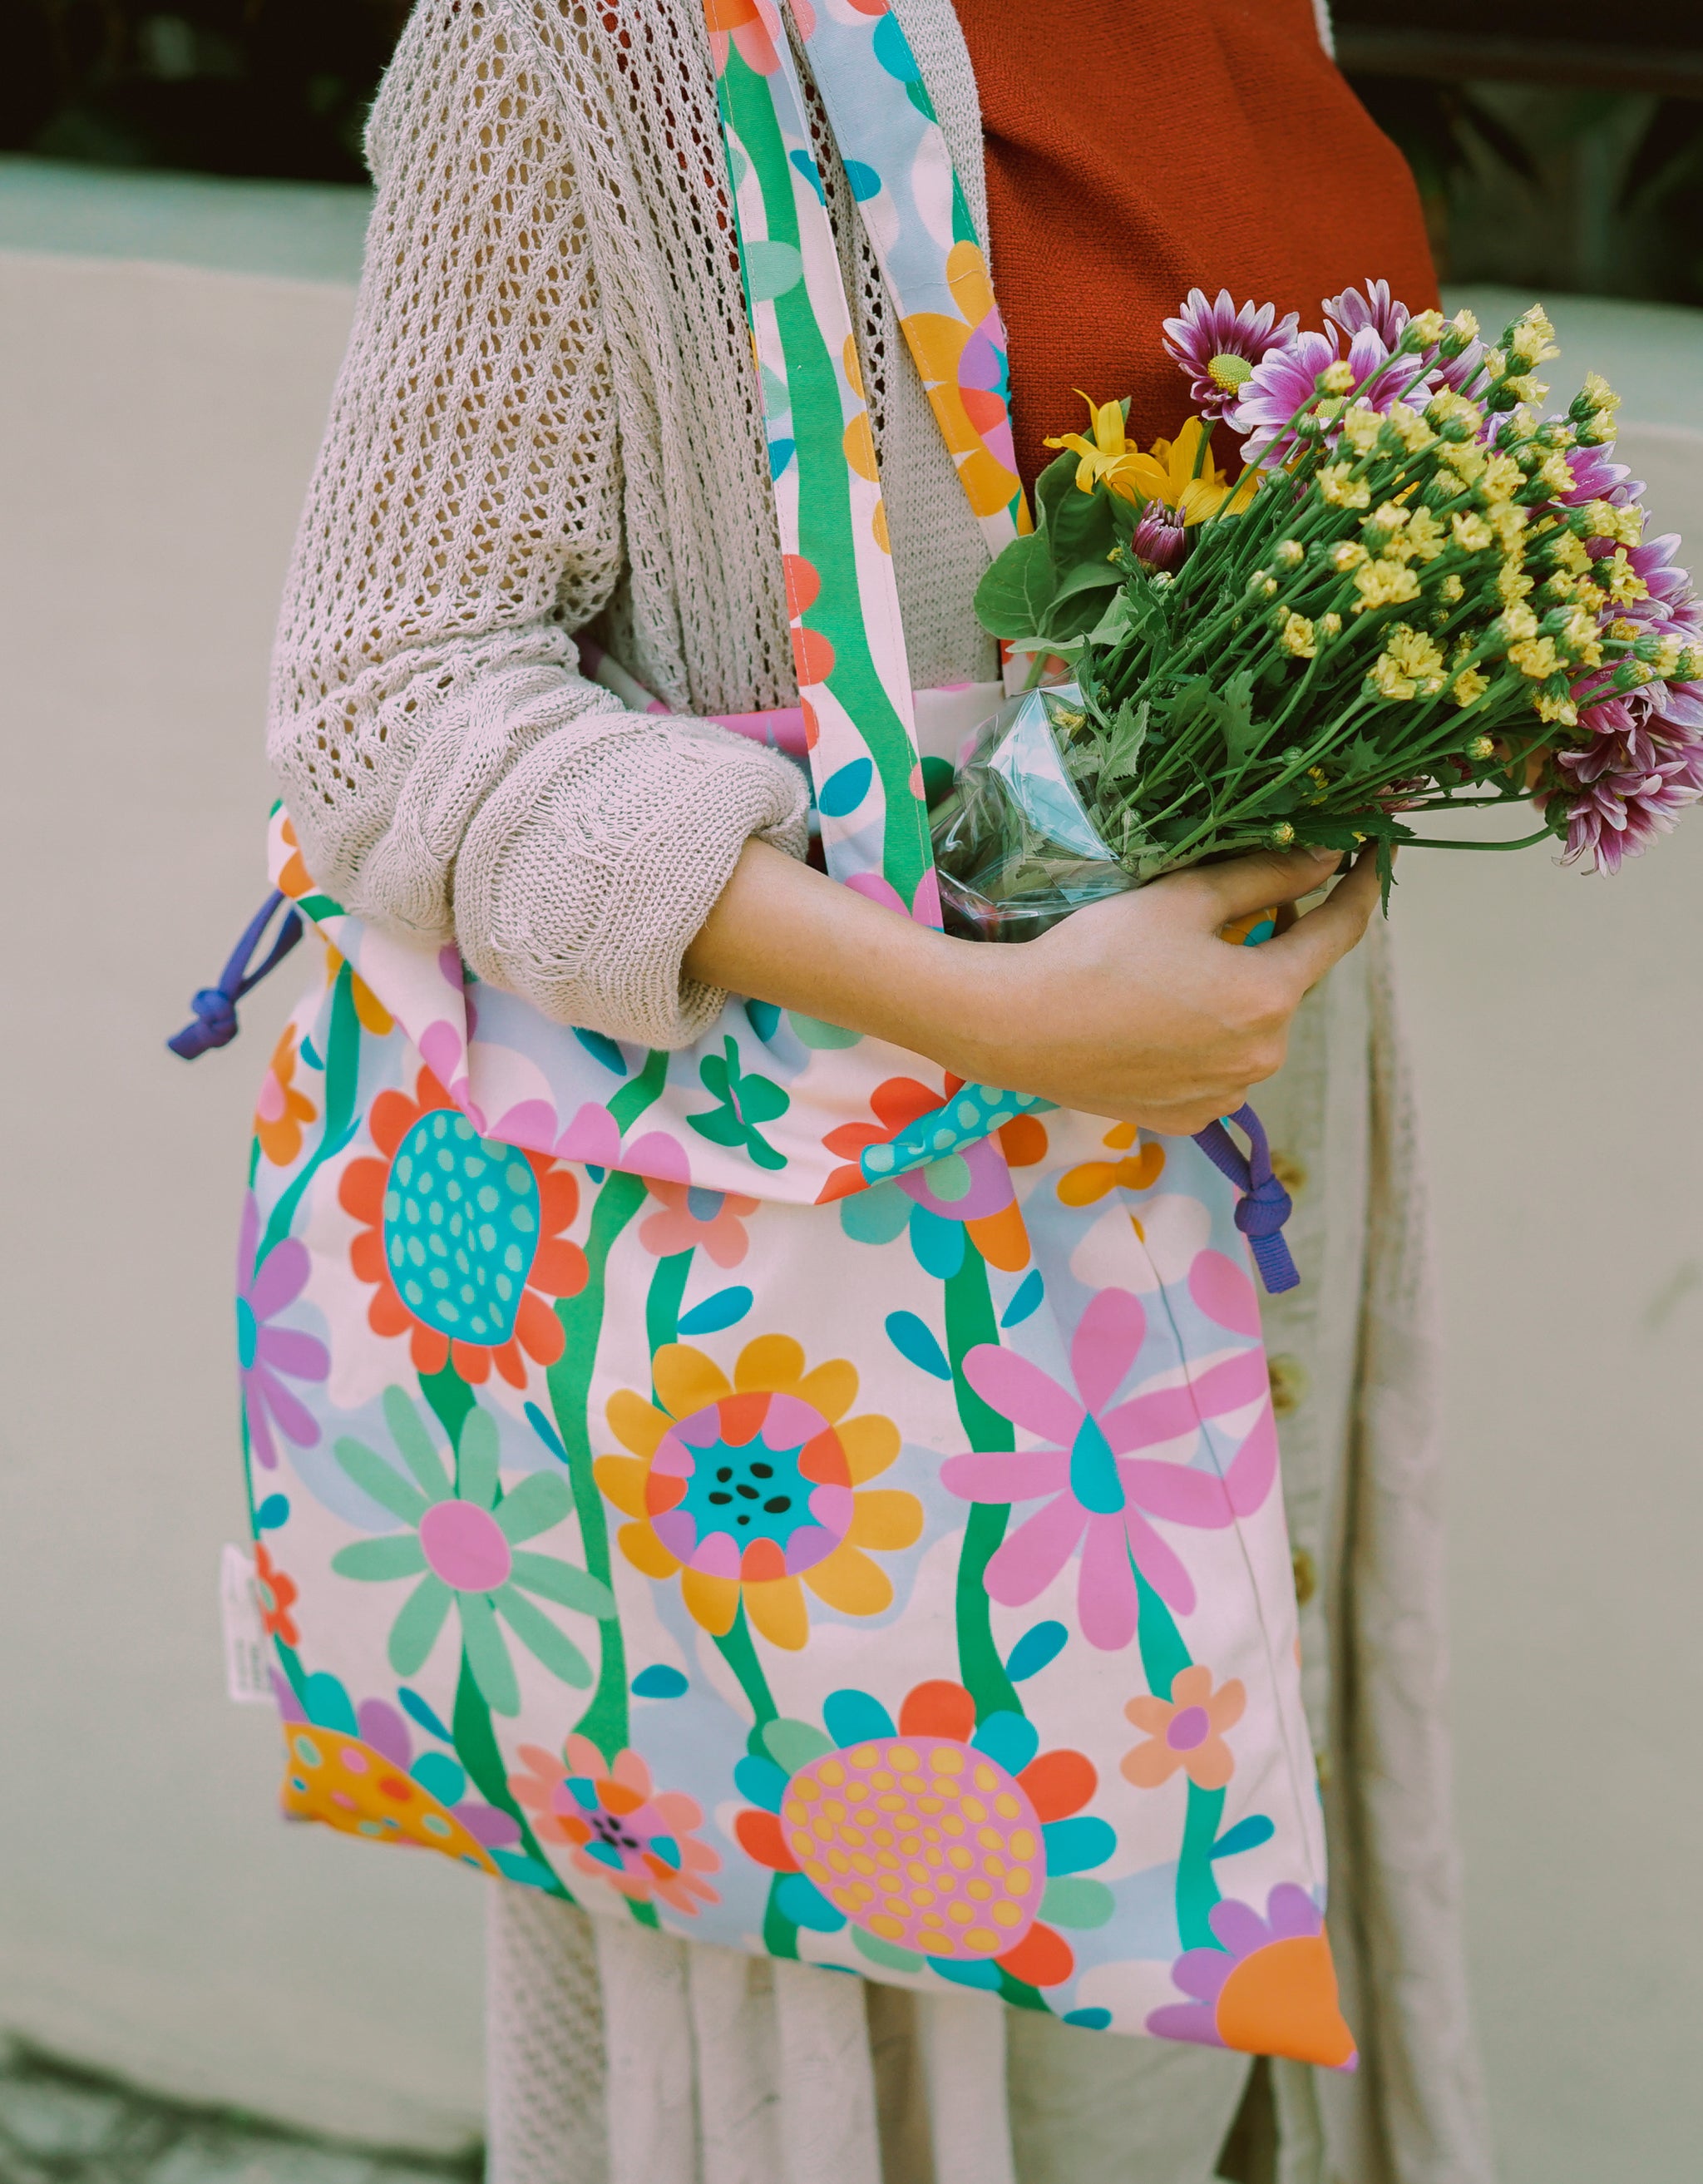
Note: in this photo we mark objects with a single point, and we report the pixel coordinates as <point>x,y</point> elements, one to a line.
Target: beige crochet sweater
<point>548,422</point>
<point>548,419</point>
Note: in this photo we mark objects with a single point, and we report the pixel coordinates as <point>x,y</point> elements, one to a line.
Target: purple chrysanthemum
<point>1376,308</point>
<point>1285,379</point>
<point>1640,768</point>
<point>1219,345</point>
<point>1160,541</point>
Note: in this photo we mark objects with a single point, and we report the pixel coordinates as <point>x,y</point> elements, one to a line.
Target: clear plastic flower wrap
<point>1015,848</point>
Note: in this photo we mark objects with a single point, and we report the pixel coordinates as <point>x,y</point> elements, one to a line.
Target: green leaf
<point>1013,598</point>
<point>1124,744</point>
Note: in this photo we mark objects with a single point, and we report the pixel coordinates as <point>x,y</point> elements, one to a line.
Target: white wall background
<point>157,423</point>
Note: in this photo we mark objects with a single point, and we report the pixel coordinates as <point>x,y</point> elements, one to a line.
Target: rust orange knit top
<point>1138,149</point>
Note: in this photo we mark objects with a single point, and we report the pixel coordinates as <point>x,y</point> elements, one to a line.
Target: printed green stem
<point>1163,1656</point>
<point>604,1721</point>
<point>826,536</point>
<point>342,1078</point>
<point>475,1747</point>
<point>970,1322</point>
<point>737,1649</point>
<point>662,1303</point>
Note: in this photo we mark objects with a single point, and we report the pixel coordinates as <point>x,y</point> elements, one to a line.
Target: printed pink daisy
<point>1100,1494</point>
<point>1219,345</point>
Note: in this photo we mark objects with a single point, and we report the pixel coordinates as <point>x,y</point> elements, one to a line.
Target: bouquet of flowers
<point>1421,594</point>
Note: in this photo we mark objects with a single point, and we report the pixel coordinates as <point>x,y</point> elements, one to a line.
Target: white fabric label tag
<point>246,1654</point>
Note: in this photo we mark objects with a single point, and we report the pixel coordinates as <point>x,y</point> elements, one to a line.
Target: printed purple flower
<point>1219,345</point>
<point>1375,308</point>
<point>1269,1988</point>
<point>1100,1494</point>
<point>264,1351</point>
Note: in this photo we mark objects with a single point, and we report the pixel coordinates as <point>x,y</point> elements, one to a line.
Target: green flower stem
<point>1163,1656</point>
<point>780,1935</point>
<point>1442,841</point>
<point>640,1092</point>
<point>290,1661</point>
<point>970,1321</point>
<point>738,1650</point>
<point>452,1400</point>
<point>662,1303</point>
<point>604,1721</point>
<point>342,1078</point>
<point>475,1747</point>
<point>825,538</point>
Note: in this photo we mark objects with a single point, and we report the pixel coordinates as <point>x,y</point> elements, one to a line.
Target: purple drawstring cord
<point>215,1006</point>
<point>1265,1204</point>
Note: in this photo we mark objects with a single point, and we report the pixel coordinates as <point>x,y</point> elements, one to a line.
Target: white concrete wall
<point>157,423</point>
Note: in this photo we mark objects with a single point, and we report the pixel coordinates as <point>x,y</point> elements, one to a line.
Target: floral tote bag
<point>772,1492</point>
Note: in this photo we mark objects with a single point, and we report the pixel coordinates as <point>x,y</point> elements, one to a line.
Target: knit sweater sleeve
<point>448,770</point>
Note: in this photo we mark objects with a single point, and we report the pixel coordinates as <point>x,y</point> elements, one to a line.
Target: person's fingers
<point>1259,881</point>
<point>1324,935</point>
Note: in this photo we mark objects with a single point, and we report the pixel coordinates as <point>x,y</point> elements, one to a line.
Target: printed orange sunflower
<point>461,1239</point>
<point>753,1490</point>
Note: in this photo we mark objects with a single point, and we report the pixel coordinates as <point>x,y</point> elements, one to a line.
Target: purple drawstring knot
<point>1265,1205</point>
<point>214,1007</point>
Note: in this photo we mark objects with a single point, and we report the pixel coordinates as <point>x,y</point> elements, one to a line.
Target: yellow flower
<point>1532,337</point>
<point>1584,640</point>
<point>1165,475</point>
<point>1361,427</point>
<point>1383,584</point>
<point>1290,554</point>
<point>1297,635</point>
<point>1508,521</point>
<point>1451,588</point>
<point>1348,555</point>
<point>1519,621</point>
<point>1468,686</point>
<point>1330,625</point>
<point>1340,486</point>
<point>1467,462</point>
<point>1512,583</point>
<point>1555,709</point>
<point>752,1489</point>
<point>1622,580</point>
<point>1415,432</point>
<point>1624,525</point>
<point>1426,537</point>
<point>1501,478</point>
<point>1409,663</point>
<point>1336,378</point>
<point>1472,533</point>
<point>1536,656</point>
<point>1556,473</point>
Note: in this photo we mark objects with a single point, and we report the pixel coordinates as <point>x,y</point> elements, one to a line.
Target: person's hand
<point>1135,1009</point>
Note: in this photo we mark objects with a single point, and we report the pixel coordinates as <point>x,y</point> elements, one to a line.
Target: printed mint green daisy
<point>463,1542</point>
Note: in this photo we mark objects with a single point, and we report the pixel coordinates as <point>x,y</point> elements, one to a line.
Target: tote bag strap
<point>847,640</point>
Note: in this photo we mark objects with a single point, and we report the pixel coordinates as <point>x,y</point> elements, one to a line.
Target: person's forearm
<point>781,931</point>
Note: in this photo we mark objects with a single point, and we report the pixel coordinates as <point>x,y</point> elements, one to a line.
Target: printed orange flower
<point>1091,1180</point>
<point>281,1111</point>
<point>278,1596</point>
<point>639,1840</point>
<point>294,878</point>
<point>461,1240</point>
<point>939,1840</point>
<point>1186,1730</point>
<point>752,1489</point>
<point>964,1193</point>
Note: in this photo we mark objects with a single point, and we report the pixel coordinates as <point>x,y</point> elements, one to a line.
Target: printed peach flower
<point>461,1239</point>
<point>281,1111</point>
<point>712,1221</point>
<point>1186,1730</point>
<point>751,1491</point>
<point>637,1840</point>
